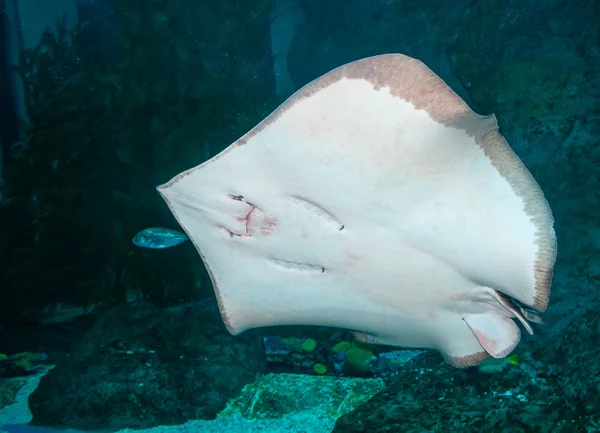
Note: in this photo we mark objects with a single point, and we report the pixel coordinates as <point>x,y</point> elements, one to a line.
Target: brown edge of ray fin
<point>508,164</point>
<point>411,80</point>
<point>467,360</point>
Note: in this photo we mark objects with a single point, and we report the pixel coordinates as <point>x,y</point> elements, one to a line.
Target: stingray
<point>374,199</point>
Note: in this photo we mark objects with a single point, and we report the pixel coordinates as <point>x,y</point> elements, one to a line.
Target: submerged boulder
<point>141,366</point>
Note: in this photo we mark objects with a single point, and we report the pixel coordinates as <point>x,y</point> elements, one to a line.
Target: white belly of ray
<point>352,208</point>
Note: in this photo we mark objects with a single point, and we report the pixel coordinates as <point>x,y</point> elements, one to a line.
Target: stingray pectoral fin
<point>497,334</point>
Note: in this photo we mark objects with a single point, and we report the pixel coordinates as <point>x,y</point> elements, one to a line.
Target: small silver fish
<point>158,237</point>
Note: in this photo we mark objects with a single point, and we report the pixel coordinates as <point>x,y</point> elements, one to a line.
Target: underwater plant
<point>104,130</point>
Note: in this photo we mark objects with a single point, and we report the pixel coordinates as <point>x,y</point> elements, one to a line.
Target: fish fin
<point>532,316</point>
<point>513,359</point>
<point>505,303</point>
<point>498,335</point>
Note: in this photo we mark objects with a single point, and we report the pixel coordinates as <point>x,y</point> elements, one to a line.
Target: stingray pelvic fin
<point>511,309</point>
<point>498,335</point>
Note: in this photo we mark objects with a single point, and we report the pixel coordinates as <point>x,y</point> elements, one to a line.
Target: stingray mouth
<point>253,221</point>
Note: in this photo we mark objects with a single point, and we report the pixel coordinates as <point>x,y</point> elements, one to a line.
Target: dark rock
<point>285,352</point>
<point>141,366</point>
<point>9,390</point>
<point>549,391</point>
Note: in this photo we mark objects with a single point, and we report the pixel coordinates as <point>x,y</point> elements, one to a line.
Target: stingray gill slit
<point>319,210</point>
<point>300,267</point>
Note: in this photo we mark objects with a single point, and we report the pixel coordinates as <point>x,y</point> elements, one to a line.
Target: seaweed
<point>110,115</point>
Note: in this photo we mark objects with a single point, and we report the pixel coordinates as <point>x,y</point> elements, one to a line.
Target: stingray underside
<point>374,199</point>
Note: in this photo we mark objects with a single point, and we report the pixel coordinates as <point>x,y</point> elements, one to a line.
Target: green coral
<point>342,346</point>
<point>358,356</point>
<point>359,360</point>
<point>300,345</point>
<point>320,369</point>
<point>309,345</point>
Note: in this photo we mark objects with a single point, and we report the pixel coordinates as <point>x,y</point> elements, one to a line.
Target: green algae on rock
<point>275,395</point>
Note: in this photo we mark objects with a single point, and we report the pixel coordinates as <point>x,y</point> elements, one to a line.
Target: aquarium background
<point>103,100</point>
